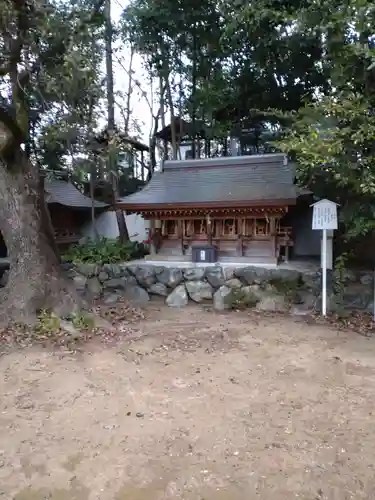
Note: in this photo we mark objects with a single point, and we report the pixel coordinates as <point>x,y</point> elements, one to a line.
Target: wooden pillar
<point>209,229</point>
<point>152,237</point>
<point>240,238</point>
<point>142,167</point>
<point>180,233</point>
<point>239,249</point>
<point>286,254</point>
<point>273,235</point>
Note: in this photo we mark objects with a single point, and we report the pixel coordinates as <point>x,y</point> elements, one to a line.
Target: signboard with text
<point>324,215</point>
<point>325,219</point>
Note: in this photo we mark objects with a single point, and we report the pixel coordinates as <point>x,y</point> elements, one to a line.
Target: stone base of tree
<point>21,305</point>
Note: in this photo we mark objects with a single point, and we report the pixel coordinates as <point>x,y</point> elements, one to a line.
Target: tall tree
<point>27,51</point>
<point>150,26</point>
<point>242,65</point>
<point>333,138</point>
<point>112,150</point>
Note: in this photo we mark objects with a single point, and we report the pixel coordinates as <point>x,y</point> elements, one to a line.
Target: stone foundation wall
<point>265,289</point>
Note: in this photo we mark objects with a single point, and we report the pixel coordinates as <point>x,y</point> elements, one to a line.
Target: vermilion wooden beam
<point>219,213</point>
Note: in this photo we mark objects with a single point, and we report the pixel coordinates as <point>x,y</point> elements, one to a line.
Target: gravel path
<point>192,405</point>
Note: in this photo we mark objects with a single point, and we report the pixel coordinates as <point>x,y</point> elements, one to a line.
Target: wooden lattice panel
<point>249,227</point>
<point>169,228</point>
<point>188,228</point>
<point>229,227</point>
<point>261,227</point>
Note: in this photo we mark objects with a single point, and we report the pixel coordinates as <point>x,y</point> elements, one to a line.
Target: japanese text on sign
<point>325,216</point>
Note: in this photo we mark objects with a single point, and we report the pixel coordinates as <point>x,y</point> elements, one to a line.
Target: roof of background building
<point>102,139</point>
<point>228,181</point>
<point>65,193</point>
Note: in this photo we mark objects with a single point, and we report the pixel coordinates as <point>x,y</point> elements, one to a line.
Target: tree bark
<point>35,279</point>
<point>193,92</point>
<point>46,218</point>
<point>173,120</point>
<point>92,196</point>
<point>162,115</point>
<point>152,145</point>
<point>121,222</point>
<point>129,93</point>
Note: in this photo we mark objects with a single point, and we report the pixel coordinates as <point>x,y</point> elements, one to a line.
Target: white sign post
<point>324,219</point>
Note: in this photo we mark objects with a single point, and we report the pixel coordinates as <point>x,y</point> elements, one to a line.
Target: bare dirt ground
<point>192,405</point>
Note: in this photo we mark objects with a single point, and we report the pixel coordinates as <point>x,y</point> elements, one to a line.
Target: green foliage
<point>238,63</point>
<point>259,66</point>
<point>339,278</point>
<point>70,88</point>
<point>48,324</point>
<point>105,251</point>
<point>333,144</point>
<point>61,43</point>
<point>332,138</point>
<point>285,285</point>
<point>82,321</point>
<point>288,288</point>
<point>240,299</point>
<point>265,66</point>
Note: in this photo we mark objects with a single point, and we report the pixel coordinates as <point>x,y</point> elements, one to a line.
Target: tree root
<point>22,303</point>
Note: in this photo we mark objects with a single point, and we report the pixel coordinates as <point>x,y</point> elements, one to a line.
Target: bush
<point>105,251</point>
<point>285,286</point>
<point>48,323</point>
<point>82,321</point>
<point>241,299</point>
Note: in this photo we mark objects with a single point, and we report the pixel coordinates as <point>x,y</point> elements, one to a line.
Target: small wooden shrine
<point>235,204</point>
<point>70,210</point>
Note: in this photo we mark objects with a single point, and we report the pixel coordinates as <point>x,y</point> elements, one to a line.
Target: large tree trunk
<point>112,165</point>
<point>173,120</point>
<point>46,218</point>
<point>35,280</point>
<point>129,93</point>
<point>162,115</point>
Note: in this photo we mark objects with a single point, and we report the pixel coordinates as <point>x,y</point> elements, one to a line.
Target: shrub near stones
<point>235,298</point>
<point>105,251</point>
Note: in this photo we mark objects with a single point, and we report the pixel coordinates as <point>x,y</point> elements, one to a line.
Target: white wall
<point>106,226</point>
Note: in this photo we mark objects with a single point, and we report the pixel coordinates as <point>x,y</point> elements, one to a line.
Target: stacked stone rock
<point>216,284</point>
